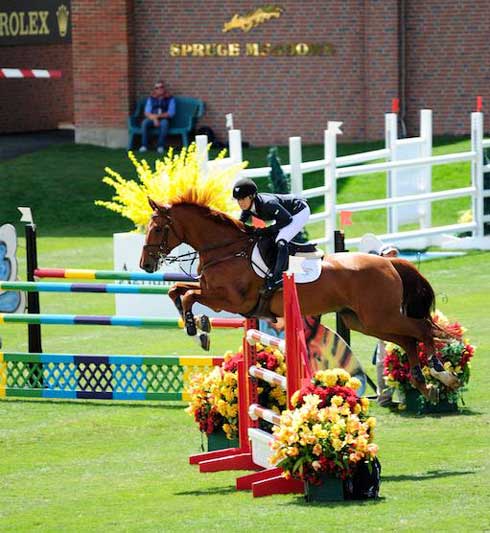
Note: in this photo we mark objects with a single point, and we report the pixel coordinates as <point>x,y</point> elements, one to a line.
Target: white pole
<point>426,151</point>
<point>330,139</point>
<point>391,136</point>
<point>295,160</point>
<point>235,144</point>
<point>477,170</point>
<point>202,154</point>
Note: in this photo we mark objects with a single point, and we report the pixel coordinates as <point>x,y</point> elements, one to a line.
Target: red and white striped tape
<point>29,73</point>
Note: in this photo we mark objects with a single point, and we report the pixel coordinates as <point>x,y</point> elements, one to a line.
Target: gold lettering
<point>44,30</point>
<point>198,50</point>
<point>234,49</point>
<point>252,49</point>
<point>222,49</point>
<point>4,30</point>
<point>24,29</point>
<point>33,23</point>
<point>302,49</point>
<point>210,50</point>
<point>14,23</point>
<point>186,49</point>
<point>174,50</point>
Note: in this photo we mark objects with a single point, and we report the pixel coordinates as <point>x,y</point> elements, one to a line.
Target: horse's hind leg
<point>407,343</point>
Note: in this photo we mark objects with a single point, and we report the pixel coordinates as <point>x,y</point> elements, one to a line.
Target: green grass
<point>95,466</point>
<point>61,183</point>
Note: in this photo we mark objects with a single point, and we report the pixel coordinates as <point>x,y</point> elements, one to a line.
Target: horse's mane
<point>208,211</point>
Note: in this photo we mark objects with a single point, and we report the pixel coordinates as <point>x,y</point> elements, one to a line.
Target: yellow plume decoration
<point>176,178</point>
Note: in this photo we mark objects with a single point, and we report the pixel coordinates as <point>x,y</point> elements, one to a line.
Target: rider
<point>290,213</point>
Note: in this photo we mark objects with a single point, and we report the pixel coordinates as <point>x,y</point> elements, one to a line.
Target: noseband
<point>158,252</point>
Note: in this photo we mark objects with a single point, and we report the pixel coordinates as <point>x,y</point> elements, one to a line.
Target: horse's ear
<point>153,204</point>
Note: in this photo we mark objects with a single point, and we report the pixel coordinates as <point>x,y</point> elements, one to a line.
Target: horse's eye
<point>158,230</point>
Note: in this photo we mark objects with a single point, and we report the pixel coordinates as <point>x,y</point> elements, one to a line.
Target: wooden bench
<point>187,112</point>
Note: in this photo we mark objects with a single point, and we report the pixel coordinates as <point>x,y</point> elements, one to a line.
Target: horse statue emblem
<point>384,298</point>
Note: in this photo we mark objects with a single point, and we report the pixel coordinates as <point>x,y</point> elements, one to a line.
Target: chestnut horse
<point>384,298</point>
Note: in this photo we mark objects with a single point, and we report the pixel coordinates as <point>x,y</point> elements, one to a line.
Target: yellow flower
<point>371,422</point>
<point>317,449</point>
<point>337,400</point>
<point>354,383</point>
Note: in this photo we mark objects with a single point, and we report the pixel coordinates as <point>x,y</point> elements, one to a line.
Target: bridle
<point>160,252</point>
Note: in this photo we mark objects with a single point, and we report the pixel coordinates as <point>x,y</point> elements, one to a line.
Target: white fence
<point>408,166</point>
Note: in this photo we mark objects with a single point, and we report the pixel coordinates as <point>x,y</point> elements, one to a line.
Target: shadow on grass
<point>430,474</point>
<point>300,501</point>
<point>461,412</point>
<point>212,491</point>
<point>99,403</point>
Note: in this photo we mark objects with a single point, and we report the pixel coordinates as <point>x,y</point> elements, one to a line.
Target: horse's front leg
<point>178,290</point>
<point>215,300</point>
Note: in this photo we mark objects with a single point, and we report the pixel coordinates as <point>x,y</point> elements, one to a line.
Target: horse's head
<point>161,237</point>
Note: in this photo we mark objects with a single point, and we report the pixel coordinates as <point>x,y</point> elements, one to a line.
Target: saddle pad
<point>312,267</point>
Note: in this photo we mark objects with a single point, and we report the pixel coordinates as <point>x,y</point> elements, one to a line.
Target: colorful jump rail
<point>111,288</point>
<point>79,273</point>
<point>101,320</point>
<point>99,377</point>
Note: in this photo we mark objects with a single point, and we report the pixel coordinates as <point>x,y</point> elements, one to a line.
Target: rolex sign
<point>35,22</point>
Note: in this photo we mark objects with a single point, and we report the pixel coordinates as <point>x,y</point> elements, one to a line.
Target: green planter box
<point>331,490</point>
<point>415,404</point>
<point>218,441</point>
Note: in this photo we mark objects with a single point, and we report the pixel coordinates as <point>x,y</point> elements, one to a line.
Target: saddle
<point>268,250</point>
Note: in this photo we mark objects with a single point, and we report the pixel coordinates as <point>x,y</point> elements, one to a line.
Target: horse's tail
<point>418,295</point>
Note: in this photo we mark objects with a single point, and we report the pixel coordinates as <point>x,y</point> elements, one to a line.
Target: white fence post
<point>391,135</point>
<point>477,171</point>
<point>295,160</point>
<point>202,153</point>
<point>426,177</point>
<point>333,128</point>
<point>235,146</point>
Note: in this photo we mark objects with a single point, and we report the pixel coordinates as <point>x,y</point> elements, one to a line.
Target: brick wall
<point>36,104</point>
<point>101,70</point>
<point>447,62</point>
<point>272,98</point>
<point>120,47</point>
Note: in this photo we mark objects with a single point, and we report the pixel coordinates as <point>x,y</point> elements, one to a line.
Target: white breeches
<point>299,220</point>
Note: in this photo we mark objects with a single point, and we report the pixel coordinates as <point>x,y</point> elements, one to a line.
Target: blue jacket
<point>160,105</point>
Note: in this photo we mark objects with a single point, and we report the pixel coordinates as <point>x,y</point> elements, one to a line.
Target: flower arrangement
<point>328,432</point>
<point>172,177</point>
<point>214,403</point>
<point>454,355</point>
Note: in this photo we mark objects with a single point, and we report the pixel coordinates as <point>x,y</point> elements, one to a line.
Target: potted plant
<point>214,403</point>
<point>454,354</point>
<point>327,439</point>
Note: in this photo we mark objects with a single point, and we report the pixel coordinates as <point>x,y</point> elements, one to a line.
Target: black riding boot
<point>281,264</point>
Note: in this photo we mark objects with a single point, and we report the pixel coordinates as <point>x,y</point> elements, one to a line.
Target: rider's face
<point>245,203</point>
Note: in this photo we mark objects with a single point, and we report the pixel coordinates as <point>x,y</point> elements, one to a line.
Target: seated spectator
<point>159,109</point>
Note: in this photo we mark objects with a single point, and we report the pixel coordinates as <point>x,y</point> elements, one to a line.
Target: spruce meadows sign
<point>246,23</point>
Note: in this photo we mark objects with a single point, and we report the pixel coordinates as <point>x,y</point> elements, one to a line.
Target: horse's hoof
<point>203,323</point>
<point>205,341</point>
<point>190,325</point>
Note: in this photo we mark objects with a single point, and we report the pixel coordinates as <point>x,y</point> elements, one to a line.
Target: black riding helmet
<point>244,187</point>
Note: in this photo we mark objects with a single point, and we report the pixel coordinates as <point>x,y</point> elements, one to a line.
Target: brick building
<point>298,66</point>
